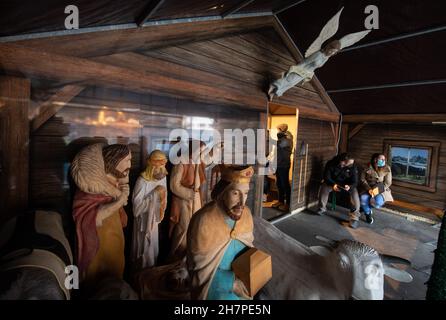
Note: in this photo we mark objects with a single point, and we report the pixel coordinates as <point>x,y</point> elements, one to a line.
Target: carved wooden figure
<point>217,234</point>
<point>101,175</point>
<point>149,204</point>
<point>315,57</point>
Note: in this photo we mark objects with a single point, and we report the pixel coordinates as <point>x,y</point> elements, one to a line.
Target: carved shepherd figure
<point>149,204</point>
<point>315,57</point>
<point>101,175</point>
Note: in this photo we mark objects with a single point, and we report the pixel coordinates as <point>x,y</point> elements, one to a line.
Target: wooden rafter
<point>146,38</point>
<point>355,130</point>
<point>239,6</point>
<point>149,11</point>
<point>288,6</point>
<point>50,107</point>
<point>310,113</point>
<point>395,118</point>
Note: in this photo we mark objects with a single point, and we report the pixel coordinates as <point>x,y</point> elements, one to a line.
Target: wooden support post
<point>258,203</point>
<point>14,144</point>
<point>344,138</point>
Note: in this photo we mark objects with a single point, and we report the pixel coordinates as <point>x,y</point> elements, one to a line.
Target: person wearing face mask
<point>341,175</point>
<point>375,184</point>
<point>149,204</point>
<point>217,235</point>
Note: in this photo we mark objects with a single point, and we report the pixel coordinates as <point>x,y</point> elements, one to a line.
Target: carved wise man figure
<point>149,204</point>
<point>101,175</point>
<point>217,234</point>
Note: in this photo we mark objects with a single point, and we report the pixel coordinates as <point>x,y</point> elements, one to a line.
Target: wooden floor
<point>390,234</point>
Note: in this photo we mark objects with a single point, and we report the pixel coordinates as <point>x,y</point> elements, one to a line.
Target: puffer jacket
<point>370,178</point>
<point>284,150</point>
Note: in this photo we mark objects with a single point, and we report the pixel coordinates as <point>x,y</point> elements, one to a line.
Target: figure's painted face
<point>159,172</point>
<point>235,199</point>
<point>124,165</point>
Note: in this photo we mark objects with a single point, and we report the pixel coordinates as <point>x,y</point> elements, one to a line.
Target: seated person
<point>341,175</point>
<point>375,184</point>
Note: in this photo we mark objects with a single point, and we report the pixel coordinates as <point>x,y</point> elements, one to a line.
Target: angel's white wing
<point>328,31</point>
<point>352,38</point>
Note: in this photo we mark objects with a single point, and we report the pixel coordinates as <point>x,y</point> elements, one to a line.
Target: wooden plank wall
<point>238,63</point>
<point>371,139</point>
<point>321,148</point>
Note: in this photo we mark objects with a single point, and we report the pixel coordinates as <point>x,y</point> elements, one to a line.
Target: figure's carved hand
<point>191,195</point>
<point>240,289</point>
<point>161,192</point>
<point>162,196</point>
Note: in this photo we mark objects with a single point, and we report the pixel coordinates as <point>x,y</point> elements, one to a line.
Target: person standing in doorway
<point>284,151</point>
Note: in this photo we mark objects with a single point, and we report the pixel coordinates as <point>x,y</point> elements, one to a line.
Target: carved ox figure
<point>347,270</point>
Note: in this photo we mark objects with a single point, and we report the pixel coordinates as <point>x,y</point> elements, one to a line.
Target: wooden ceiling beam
<point>103,43</point>
<point>395,118</point>
<point>43,65</point>
<point>310,113</point>
<point>287,6</point>
<point>239,6</point>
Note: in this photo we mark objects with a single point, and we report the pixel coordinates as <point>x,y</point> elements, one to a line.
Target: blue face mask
<point>381,163</point>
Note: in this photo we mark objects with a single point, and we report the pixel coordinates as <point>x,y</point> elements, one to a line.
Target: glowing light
<point>198,123</point>
<point>101,118</point>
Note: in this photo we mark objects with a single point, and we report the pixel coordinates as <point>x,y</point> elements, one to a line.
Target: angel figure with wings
<point>315,57</point>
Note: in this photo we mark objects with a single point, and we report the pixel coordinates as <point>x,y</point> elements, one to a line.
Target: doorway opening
<point>278,184</point>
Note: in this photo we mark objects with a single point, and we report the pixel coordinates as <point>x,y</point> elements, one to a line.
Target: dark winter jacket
<point>284,149</point>
<point>334,174</point>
